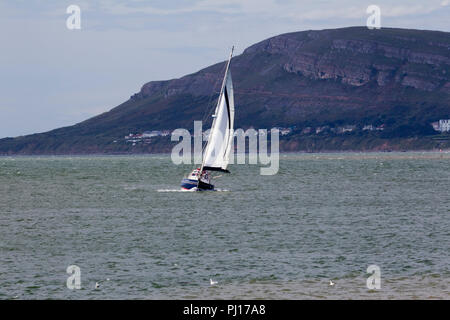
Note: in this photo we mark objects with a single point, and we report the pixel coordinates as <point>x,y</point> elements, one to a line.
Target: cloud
<point>309,10</point>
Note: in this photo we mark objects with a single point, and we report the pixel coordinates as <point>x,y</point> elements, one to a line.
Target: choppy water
<point>324,216</point>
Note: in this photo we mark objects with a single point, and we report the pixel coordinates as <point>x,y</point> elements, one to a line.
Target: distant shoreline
<point>444,151</point>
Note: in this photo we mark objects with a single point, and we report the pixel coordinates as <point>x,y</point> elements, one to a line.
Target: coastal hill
<point>338,89</point>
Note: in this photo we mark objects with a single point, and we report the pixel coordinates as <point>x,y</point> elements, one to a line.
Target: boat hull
<point>188,184</point>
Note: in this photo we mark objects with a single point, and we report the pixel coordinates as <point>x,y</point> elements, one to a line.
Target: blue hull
<point>188,184</point>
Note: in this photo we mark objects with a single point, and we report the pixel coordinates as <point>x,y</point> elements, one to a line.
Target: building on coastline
<point>442,125</point>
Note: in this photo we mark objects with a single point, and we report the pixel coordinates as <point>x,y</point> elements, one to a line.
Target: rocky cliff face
<point>397,78</point>
<point>352,56</point>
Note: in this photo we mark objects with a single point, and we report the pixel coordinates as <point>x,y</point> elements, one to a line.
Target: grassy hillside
<point>395,80</point>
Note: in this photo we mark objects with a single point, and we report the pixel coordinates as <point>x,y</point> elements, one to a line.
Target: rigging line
<point>224,71</point>
<point>210,106</point>
<point>209,110</point>
<point>222,89</point>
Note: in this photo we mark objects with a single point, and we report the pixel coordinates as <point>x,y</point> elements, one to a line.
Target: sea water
<point>124,223</point>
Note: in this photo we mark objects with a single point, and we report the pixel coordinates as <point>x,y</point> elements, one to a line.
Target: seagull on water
<point>212,282</point>
<point>331,283</point>
<point>97,285</point>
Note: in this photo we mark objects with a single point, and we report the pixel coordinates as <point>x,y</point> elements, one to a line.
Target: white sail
<point>217,151</point>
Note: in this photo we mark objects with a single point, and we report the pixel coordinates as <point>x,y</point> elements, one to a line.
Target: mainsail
<point>217,150</point>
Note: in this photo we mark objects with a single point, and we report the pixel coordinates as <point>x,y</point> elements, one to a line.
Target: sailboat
<point>217,150</point>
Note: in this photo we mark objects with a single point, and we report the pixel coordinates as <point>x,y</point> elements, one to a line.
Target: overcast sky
<point>51,76</point>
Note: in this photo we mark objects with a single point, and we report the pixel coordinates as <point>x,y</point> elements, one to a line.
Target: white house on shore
<point>442,125</point>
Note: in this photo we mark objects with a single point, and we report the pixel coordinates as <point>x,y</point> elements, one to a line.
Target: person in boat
<point>204,176</point>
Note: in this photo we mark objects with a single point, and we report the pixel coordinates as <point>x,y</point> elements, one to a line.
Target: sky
<point>51,76</point>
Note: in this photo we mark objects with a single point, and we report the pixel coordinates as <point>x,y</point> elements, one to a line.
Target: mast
<point>225,75</point>
<point>217,107</point>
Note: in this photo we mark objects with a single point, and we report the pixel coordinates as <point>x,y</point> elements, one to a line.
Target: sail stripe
<point>229,120</point>
<point>216,169</point>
